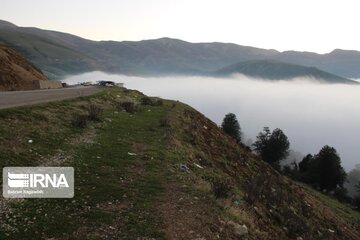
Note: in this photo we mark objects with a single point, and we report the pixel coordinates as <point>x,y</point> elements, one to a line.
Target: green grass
<point>342,209</point>
<point>117,194</point>
<point>106,176</point>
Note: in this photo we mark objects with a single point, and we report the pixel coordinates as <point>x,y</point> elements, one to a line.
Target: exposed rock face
<point>17,73</point>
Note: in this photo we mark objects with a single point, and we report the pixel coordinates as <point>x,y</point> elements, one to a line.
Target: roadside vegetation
<point>147,168</point>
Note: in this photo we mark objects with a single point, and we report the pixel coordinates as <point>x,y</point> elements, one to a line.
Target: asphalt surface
<point>23,98</point>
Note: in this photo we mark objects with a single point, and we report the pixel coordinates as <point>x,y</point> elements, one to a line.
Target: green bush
<point>164,122</point>
<point>151,101</point>
<point>221,188</point>
<point>79,120</point>
<point>146,101</point>
<point>129,107</point>
<point>94,112</point>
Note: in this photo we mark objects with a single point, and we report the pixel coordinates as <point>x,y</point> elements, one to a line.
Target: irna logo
<point>38,182</point>
<point>19,180</point>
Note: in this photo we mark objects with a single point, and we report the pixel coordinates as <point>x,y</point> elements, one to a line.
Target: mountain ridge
<point>59,54</point>
<point>277,70</point>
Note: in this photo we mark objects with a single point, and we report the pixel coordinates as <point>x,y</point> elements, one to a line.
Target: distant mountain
<point>55,56</point>
<point>345,63</point>
<point>275,70</point>
<point>59,54</point>
<point>16,72</point>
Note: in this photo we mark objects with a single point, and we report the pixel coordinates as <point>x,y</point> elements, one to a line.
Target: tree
<point>304,165</point>
<point>272,146</point>
<point>305,175</point>
<point>356,199</point>
<point>326,169</point>
<point>353,178</point>
<point>231,126</point>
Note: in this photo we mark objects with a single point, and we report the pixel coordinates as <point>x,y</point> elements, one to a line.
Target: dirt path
<point>21,98</point>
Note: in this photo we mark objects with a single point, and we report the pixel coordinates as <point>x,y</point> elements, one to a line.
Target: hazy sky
<point>305,25</point>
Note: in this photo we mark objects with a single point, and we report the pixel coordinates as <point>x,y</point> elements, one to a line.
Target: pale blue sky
<point>305,25</point>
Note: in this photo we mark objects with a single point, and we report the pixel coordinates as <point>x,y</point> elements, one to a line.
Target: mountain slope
<point>149,175</point>
<point>16,72</point>
<point>54,56</point>
<point>340,62</point>
<point>275,70</point>
<point>59,54</point>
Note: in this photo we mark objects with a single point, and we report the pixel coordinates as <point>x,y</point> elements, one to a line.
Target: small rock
<point>330,230</point>
<point>30,141</point>
<point>131,154</point>
<point>198,166</point>
<point>236,202</point>
<point>183,168</point>
<point>239,230</point>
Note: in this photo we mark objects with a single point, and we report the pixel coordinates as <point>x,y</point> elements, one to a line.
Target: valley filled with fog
<point>311,114</point>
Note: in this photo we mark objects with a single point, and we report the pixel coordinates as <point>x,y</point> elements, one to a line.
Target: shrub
<point>221,188</point>
<point>164,122</point>
<point>146,101</point>
<point>94,112</point>
<point>341,194</point>
<point>151,102</point>
<point>159,102</point>
<point>356,202</point>
<point>128,106</point>
<point>79,120</point>
<point>255,187</point>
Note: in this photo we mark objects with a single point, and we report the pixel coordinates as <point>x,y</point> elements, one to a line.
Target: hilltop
<point>153,171</point>
<point>275,70</point>
<point>59,54</point>
<point>16,72</point>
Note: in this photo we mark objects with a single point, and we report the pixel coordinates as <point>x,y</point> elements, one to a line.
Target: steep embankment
<point>16,73</point>
<point>148,174</point>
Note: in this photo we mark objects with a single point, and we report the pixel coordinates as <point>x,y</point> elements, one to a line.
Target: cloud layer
<point>311,114</point>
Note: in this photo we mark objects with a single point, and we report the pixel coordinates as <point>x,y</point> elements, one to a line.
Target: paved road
<point>21,98</point>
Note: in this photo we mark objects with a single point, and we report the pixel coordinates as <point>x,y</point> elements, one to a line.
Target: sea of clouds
<point>311,114</point>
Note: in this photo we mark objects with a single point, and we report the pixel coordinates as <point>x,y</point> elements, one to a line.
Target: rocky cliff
<point>17,73</point>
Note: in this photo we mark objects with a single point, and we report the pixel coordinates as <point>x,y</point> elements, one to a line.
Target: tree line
<point>323,171</point>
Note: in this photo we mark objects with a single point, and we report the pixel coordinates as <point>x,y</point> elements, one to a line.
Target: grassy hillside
<point>53,57</point>
<point>150,175</point>
<point>275,70</point>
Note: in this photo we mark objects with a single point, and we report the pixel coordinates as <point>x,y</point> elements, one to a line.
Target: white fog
<point>311,114</point>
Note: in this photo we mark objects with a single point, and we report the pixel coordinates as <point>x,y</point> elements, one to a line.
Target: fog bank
<point>311,114</point>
